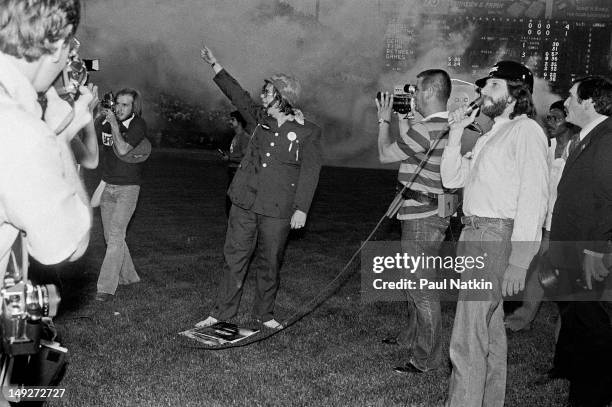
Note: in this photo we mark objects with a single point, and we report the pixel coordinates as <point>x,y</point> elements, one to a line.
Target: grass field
<point>127,352</point>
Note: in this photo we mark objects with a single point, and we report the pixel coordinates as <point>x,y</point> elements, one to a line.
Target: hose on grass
<point>334,284</point>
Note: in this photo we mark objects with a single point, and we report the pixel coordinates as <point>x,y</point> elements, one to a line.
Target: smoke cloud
<point>154,45</point>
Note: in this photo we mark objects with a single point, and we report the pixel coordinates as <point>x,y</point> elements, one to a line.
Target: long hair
<point>29,29</point>
<point>282,104</point>
<point>524,101</point>
<point>136,99</point>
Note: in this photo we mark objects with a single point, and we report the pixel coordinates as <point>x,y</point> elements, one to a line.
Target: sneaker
<point>207,322</point>
<point>273,324</point>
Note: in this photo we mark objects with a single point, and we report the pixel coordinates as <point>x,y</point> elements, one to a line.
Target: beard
<point>494,110</point>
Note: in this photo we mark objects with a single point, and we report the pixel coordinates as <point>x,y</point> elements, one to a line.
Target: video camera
<point>403,98</point>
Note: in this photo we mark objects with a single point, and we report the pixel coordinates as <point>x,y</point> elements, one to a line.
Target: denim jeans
<point>478,347</point>
<point>117,206</point>
<point>422,335</point>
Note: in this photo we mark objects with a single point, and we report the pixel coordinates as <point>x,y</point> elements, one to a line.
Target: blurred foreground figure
<point>505,197</point>
<point>41,196</point>
<point>271,191</point>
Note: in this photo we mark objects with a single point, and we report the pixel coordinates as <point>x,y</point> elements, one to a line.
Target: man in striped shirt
<point>422,228</point>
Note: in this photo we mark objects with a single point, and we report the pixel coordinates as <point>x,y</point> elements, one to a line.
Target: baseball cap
<point>289,87</point>
<point>509,70</point>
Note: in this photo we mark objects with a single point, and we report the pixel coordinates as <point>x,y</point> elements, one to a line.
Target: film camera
<point>28,356</point>
<point>108,101</point>
<point>75,74</point>
<point>403,98</point>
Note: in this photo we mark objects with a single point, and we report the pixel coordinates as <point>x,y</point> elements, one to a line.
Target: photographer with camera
<point>423,228</point>
<point>44,210</point>
<point>121,129</point>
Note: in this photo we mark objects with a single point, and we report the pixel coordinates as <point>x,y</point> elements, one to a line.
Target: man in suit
<point>271,191</point>
<point>580,231</point>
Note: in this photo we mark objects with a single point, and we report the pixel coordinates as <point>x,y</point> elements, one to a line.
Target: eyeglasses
<point>267,90</point>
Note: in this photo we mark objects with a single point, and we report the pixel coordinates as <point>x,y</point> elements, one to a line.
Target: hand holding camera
<point>384,104</point>
<point>402,100</point>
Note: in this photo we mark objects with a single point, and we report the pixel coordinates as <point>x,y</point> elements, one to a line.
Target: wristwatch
<point>381,121</point>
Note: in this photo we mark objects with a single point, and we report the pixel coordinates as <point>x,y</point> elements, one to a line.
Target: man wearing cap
<point>505,181</point>
<point>271,191</point>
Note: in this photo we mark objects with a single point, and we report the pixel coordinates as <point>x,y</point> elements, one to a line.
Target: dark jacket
<point>280,170</point>
<point>582,214</point>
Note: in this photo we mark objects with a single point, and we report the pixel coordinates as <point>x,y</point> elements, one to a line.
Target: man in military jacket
<point>271,191</point>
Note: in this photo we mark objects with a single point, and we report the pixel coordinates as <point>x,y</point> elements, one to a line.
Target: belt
<point>477,221</point>
<point>419,196</point>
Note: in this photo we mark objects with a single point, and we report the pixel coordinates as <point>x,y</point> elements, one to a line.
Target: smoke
<point>154,45</point>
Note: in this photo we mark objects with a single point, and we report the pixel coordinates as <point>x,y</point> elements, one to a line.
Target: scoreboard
<point>559,40</point>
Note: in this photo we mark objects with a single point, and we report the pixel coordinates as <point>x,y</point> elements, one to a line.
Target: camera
<point>23,307</point>
<point>75,73</point>
<point>29,354</point>
<point>108,101</point>
<point>403,98</point>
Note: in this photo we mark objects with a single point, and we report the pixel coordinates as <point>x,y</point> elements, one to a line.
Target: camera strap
<point>18,259</point>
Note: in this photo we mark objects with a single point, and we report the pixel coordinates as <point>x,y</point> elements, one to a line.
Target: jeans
<point>422,336</point>
<point>478,347</point>
<point>117,206</point>
<point>249,232</point>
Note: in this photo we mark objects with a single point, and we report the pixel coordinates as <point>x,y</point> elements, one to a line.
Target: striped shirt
<point>413,147</point>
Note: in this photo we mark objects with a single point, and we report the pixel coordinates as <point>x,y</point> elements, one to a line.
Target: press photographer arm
<point>81,116</point>
<point>85,145</point>
<point>119,142</point>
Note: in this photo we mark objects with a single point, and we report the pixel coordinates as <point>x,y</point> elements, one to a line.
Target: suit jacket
<point>280,170</point>
<point>582,215</point>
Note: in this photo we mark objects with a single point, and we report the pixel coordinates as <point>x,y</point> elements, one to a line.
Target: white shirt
<point>35,195</point>
<point>506,176</point>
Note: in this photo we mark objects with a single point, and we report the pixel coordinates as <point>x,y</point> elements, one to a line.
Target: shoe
<point>549,376</point>
<point>273,324</point>
<point>103,297</point>
<point>407,368</point>
<point>390,340</point>
<point>207,322</point>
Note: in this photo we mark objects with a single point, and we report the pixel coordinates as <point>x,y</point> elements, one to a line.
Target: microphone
<point>474,104</point>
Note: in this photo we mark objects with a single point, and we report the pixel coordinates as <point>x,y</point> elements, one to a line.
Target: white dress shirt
<point>506,177</point>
